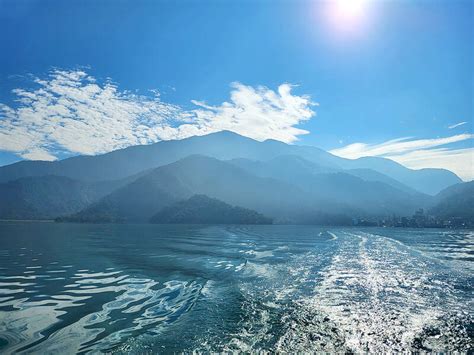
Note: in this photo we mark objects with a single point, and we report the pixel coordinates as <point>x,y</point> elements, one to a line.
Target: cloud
<point>71,112</point>
<point>259,113</point>
<point>418,153</point>
<point>457,125</point>
<point>395,146</point>
<point>460,161</point>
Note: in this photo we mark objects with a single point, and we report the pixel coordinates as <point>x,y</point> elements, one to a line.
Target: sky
<point>390,78</point>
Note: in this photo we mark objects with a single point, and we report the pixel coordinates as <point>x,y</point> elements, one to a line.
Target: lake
<point>71,288</point>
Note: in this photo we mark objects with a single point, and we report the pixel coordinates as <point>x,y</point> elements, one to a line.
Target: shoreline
<point>28,220</point>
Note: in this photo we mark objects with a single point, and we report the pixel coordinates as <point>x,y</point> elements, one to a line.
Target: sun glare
<point>350,8</point>
<point>347,14</point>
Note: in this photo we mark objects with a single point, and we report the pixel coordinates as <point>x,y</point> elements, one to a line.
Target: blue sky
<point>386,71</point>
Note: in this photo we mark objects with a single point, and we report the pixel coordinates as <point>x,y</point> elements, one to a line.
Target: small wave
<point>145,305</point>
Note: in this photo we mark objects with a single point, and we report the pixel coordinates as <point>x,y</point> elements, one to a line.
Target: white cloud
<point>460,161</point>
<point>457,125</point>
<point>38,154</point>
<point>418,153</point>
<point>395,146</point>
<point>259,113</point>
<point>70,111</point>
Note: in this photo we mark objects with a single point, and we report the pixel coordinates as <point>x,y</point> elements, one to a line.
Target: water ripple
<point>173,289</point>
<point>144,304</point>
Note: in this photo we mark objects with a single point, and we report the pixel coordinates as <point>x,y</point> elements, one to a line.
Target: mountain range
<point>286,183</point>
<point>455,201</point>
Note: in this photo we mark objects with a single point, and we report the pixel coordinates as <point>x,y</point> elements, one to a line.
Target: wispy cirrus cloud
<point>71,112</point>
<point>460,161</point>
<point>395,146</point>
<point>419,153</point>
<point>457,125</point>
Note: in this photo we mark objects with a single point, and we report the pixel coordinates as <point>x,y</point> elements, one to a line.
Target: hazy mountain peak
<point>223,145</point>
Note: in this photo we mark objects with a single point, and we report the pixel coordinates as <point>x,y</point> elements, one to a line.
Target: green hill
<point>201,209</point>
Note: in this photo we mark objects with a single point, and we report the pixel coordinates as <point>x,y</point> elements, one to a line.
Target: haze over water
<point>132,288</point>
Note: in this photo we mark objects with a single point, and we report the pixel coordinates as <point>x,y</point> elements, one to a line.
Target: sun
<point>347,15</point>
<point>350,9</point>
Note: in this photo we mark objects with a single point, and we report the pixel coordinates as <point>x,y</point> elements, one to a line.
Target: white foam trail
<point>377,295</point>
<point>334,237</point>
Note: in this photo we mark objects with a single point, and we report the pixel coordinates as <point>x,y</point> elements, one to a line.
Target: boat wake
<point>376,296</point>
<point>370,294</point>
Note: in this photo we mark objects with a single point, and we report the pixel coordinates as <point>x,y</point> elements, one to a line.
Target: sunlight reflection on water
<point>81,288</point>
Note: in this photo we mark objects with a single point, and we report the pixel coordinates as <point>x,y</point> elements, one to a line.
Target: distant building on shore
<point>418,220</point>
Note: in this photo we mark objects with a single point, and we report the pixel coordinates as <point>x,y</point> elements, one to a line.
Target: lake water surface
<point>70,288</point>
